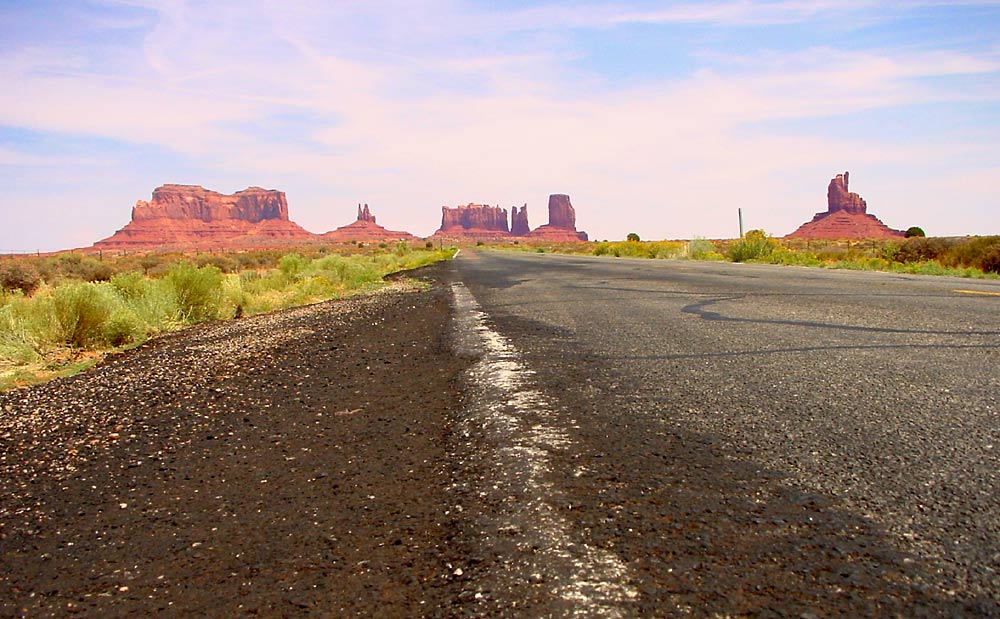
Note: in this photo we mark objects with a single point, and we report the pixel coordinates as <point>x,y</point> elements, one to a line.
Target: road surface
<point>729,440</point>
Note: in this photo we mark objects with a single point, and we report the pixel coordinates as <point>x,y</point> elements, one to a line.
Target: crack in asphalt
<point>698,309</point>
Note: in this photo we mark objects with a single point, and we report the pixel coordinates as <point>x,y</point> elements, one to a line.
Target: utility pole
<point>740,211</point>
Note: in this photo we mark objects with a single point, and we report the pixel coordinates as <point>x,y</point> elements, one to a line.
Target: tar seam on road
<point>518,425</point>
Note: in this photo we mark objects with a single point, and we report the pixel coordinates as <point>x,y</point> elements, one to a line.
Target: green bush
<point>130,285</point>
<point>700,249</point>
<point>17,275</point>
<point>914,231</point>
<point>755,245</point>
<point>293,265</point>
<point>123,327</point>
<point>82,310</point>
<point>198,291</point>
<point>632,236</point>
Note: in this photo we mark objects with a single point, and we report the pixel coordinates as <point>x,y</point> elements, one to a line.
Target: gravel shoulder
<point>275,466</point>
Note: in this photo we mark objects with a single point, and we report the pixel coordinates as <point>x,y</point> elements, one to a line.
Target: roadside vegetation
<point>975,257</point>
<point>62,313</point>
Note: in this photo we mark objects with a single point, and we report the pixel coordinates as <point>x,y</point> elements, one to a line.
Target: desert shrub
<point>17,275</point>
<point>639,249</point>
<point>293,265</point>
<point>700,249</point>
<point>75,266</point>
<point>123,327</point>
<point>149,262</point>
<point>235,299</point>
<point>82,310</point>
<point>913,231</point>
<point>783,255</point>
<point>198,291</point>
<point>356,272</point>
<point>632,236</point>
<point>248,261</point>
<point>97,271</point>
<point>156,305</point>
<point>754,245</point>
<point>30,321</point>
<point>971,251</point>
<point>226,263</point>
<point>990,260</point>
<point>430,245</point>
<point>666,249</point>
<point>402,248</point>
<point>920,249</point>
<point>130,285</point>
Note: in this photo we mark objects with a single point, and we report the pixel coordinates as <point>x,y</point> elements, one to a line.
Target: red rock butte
<point>191,216</point>
<point>484,222</point>
<point>562,222</point>
<point>473,221</point>
<point>846,217</point>
<point>364,228</point>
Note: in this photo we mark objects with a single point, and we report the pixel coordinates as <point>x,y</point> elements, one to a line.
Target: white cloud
<point>676,153</point>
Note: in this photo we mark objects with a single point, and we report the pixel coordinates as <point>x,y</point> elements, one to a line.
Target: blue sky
<point>661,118</point>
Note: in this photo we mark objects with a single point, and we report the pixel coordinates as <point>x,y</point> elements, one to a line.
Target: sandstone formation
<point>191,216</point>
<point>562,222</point>
<point>479,221</point>
<point>519,221</point>
<point>365,229</point>
<point>846,217</point>
<point>838,198</point>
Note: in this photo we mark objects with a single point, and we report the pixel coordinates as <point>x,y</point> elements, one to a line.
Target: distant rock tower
<point>365,214</point>
<point>838,198</point>
<point>519,221</point>
<point>562,222</point>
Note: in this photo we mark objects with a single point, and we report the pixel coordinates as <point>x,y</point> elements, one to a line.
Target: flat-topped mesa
<point>838,198</point>
<point>193,202</point>
<point>478,220</point>
<point>519,221</point>
<point>846,217</point>
<point>192,217</point>
<point>364,228</point>
<point>562,222</point>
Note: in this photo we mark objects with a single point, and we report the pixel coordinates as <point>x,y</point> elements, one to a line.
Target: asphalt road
<point>659,438</point>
